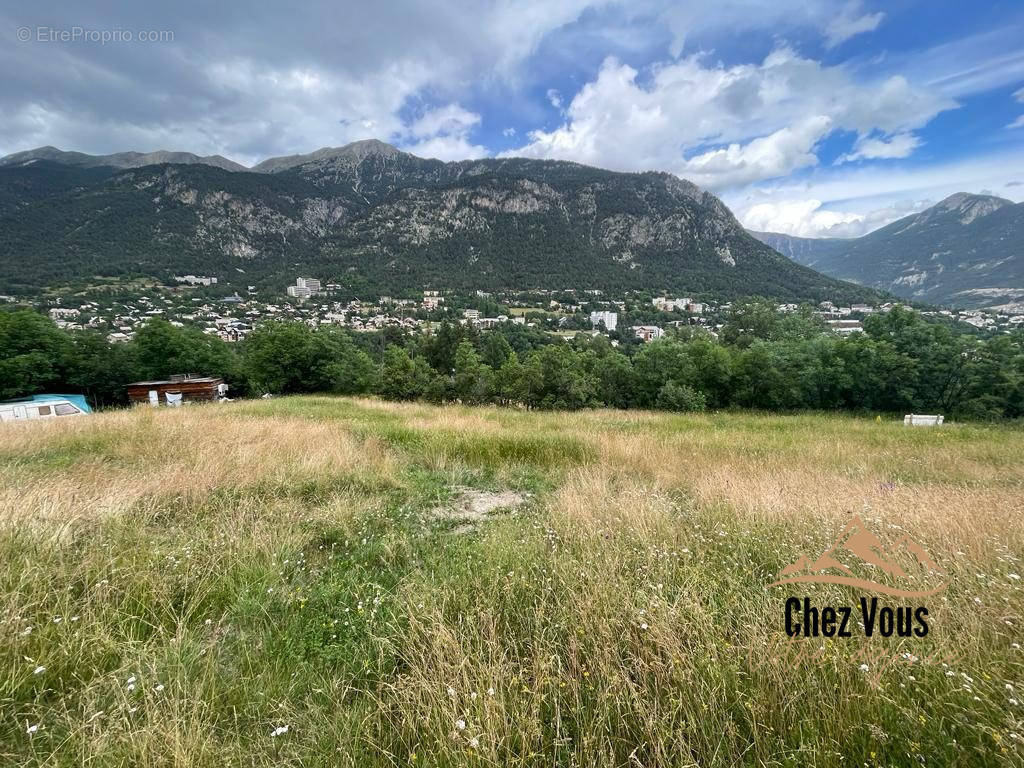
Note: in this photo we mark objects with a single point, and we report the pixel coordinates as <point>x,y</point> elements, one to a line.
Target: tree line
<point>902,362</point>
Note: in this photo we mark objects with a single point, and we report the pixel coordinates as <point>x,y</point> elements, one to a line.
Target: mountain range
<point>381,221</point>
<point>967,250</point>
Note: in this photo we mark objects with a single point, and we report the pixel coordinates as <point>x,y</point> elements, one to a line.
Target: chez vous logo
<point>858,559</point>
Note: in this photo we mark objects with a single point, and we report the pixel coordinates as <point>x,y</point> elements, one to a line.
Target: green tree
<point>472,379</point>
<point>162,349</point>
<point>405,378</point>
<point>494,349</point>
<point>556,378</point>
<point>658,363</point>
<point>34,354</point>
<point>338,365</point>
<point>680,397</point>
<point>279,357</point>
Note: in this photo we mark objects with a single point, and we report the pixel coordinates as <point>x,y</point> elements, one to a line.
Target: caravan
<point>43,407</point>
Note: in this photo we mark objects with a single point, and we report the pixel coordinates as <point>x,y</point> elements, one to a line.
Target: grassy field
<point>318,581</point>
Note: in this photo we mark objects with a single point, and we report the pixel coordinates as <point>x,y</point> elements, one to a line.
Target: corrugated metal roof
<point>195,380</point>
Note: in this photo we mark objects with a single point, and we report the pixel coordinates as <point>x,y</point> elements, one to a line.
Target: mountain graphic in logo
<point>859,559</point>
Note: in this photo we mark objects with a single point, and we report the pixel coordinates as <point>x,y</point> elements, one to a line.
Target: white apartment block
<point>610,319</point>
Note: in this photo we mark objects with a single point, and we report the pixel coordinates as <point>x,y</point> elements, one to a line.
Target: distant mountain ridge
<point>118,160</point>
<point>966,250</point>
<point>378,221</point>
<point>354,152</point>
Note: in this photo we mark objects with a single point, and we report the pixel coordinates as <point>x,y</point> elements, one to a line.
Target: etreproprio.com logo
<point>77,34</point>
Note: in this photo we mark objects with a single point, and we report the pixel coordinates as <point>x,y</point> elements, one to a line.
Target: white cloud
<point>808,218</point>
<point>882,148</point>
<point>443,133</point>
<point>449,119</point>
<point>508,132</point>
<point>1019,122</point>
<point>848,201</point>
<point>803,218</point>
<point>555,98</point>
<point>834,19</point>
<point>447,148</point>
<point>251,81</point>
<point>851,22</point>
<point>967,65</point>
<point>760,112</point>
<point>777,154</point>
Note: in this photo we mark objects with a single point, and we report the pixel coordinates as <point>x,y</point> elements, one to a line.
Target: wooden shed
<point>185,388</point>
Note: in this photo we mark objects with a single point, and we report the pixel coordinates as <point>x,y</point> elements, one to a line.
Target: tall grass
<point>177,587</point>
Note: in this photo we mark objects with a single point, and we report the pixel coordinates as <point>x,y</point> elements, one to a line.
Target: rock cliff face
<point>379,220</point>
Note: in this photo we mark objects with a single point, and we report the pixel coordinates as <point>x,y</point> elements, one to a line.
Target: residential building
<point>647,332</point>
<point>845,327</point>
<point>196,280</point>
<point>610,320</point>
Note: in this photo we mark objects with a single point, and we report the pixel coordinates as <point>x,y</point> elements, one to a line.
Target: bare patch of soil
<point>470,506</point>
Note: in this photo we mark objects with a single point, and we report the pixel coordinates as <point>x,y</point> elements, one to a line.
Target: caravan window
<point>65,409</point>
<point>45,410</point>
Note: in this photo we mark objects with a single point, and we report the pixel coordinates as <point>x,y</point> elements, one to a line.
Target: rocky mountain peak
<point>967,207</point>
<point>355,152</point>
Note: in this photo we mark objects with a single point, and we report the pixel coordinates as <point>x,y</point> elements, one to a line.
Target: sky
<point>809,117</point>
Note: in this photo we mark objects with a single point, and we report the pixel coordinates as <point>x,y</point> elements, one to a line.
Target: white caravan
<point>43,407</point>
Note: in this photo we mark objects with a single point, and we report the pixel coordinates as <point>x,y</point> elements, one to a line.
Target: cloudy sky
<point>812,117</point>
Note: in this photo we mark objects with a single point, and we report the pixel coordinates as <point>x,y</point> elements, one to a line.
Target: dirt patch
<point>470,506</point>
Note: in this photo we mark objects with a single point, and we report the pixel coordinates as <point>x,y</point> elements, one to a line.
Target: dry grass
<point>257,565</point>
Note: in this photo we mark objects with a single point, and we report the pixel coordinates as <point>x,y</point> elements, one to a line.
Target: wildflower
<point>159,688</point>
<point>208,622</point>
<point>40,669</point>
<point>490,691</point>
<point>474,742</point>
<point>472,696</point>
<point>460,724</point>
<point>643,625</point>
<point>451,691</point>
<point>864,667</point>
<point>33,728</point>
<point>1008,687</point>
<point>131,687</point>
<point>26,631</point>
<point>279,731</point>
<point>130,680</point>
<point>1014,576</point>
